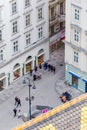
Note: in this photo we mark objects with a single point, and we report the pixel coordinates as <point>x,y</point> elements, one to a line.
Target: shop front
<point>85,81</point>
<point>28,64</point>
<point>56,45</point>
<point>40,56</point>
<point>75,79</point>
<point>2,81</point>
<point>16,71</point>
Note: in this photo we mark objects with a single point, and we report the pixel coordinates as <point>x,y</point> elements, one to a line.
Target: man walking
<point>17,101</point>
<point>15,111</point>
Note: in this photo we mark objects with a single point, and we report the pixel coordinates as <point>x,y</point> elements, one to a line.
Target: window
<point>28,39</point>
<point>15,27</point>
<point>1,55</point>
<point>74,81</point>
<point>76,57</point>
<point>0,35</point>
<point>77,14</point>
<point>76,35</point>
<point>40,13</point>
<point>28,20</point>
<point>15,46</point>
<point>27,3</point>
<point>61,9</point>
<point>14,7</point>
<point>40,32</point>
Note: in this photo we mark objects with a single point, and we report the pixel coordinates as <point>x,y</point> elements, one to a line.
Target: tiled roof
<point>70,117</point>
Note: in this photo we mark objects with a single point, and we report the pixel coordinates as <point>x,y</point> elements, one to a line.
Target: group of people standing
<point>17,110</point>
<point>49,67</point>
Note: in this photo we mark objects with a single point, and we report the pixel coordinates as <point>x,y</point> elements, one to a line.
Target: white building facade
<point>24,37</point>
<point>76,44</point>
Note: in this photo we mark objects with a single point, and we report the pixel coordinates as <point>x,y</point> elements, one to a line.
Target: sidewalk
<point>47,92</point>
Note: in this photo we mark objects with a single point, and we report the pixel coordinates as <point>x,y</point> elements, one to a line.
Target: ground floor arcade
<point>22,65</point>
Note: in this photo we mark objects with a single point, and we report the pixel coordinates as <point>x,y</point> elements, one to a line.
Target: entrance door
<point>28,67</point>
<point>85,87</point>
<point>75,82</point>
<point>40,59</point>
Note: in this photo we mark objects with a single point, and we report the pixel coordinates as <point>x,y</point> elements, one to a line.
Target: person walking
<point>35,69</point>
<point>15,111</point>
<point>18,102</point>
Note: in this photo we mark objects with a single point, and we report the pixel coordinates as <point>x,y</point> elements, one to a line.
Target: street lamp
<point>34,87</point>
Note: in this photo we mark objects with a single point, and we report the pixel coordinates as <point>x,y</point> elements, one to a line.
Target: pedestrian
<point>15,111</point>
<point>34,77</point>
<point>31,71</point>
<point>40,66</point>
<point>18,102</point>
<point>49,67</point>
<point>35,68</point>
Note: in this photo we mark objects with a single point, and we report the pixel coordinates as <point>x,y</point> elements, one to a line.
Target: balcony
<point>52,2</point>
<point>62,17</point>
<point>54,19</point>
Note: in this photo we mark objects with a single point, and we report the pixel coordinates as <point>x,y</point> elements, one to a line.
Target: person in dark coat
<point>40,66</point>
<point>15,111</point>
<point>34,77</point>
<point>16,100</point>
<point>35,68</point>
<point>31,71</point>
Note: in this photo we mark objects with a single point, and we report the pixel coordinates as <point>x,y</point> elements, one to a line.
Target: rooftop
<point>69,116</point>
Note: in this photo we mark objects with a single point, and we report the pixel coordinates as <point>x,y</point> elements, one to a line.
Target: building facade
<point>76,44</point>
<point>56,22</point>
<point>24,42</point>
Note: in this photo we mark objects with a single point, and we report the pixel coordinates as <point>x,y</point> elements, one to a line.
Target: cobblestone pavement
<point>48,91</point>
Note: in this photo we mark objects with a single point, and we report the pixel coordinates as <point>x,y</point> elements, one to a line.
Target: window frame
<point>76,57</point>
<point>14,7</point>
<point>76,35</point>
<point>1,55</point>
<point>27,3</point>
<point>77,14</point>
<point>27,20</point>
<point>14,27</point>
<point>40,32</point>
<point>28,39</point>
<point>40,13</point>
<point>15,46</point>
<point>0,35</point>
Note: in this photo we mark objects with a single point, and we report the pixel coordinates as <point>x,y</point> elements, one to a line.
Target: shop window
<point>74,81</point>
<point>28,66</point>
<point>40,59</point>
<point>16,72</point>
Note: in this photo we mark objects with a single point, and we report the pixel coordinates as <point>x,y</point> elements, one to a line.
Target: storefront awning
<point>73,74</point>
<point>85,80</point>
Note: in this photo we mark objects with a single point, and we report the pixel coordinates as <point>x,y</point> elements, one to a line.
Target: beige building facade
<point>56,22</point>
